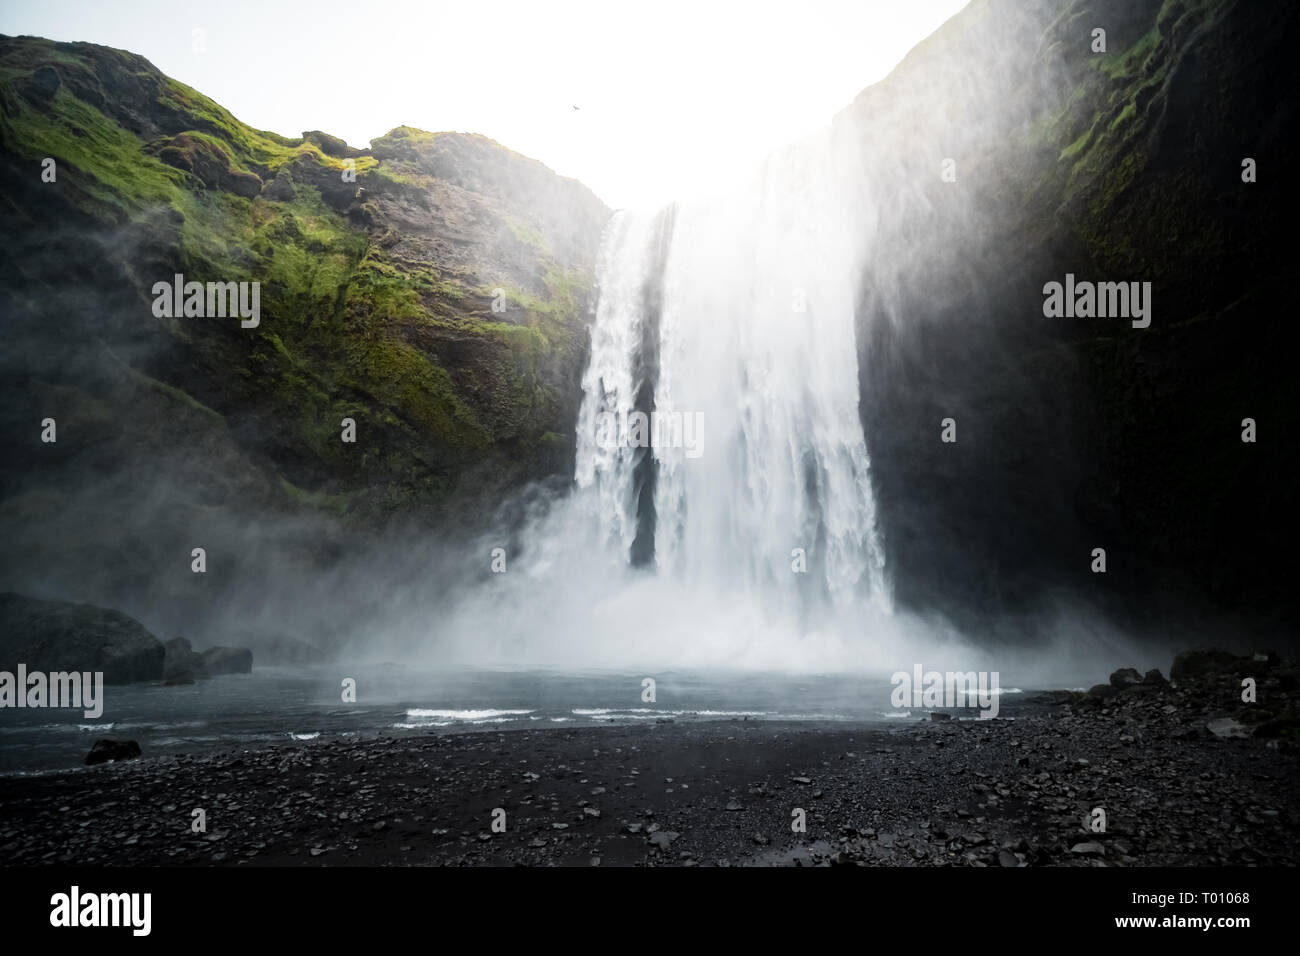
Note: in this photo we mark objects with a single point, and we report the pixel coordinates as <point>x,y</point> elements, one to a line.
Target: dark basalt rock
<point>59,636</point>
<point>107,750</point>
<point>1200,663</point>
<point>1124,678</point>
<point>181,664</point>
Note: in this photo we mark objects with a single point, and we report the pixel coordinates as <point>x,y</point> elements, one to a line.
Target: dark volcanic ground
<point>947,792</point>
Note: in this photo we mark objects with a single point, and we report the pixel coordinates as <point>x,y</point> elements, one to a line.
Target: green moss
<point>408,382</point>
<point>1077,146</point>
<point>338,504</point>
<point>101,168</point>
<point>410,350</point>
<point>1125,115</point>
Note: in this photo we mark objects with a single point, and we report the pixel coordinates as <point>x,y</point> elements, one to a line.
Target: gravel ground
<point>962,792</point>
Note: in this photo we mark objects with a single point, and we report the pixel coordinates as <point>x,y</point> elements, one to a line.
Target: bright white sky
<point>673,96</point>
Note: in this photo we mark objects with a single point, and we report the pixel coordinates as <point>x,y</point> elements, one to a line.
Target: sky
<point>672,98</point>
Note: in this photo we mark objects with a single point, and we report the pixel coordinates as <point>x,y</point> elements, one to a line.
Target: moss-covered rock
<point>379,270</point>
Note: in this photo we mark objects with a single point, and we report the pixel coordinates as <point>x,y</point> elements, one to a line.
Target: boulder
<point>59,636</point>
<point>1102,691</point>
<point>209,161</point>
<point>227,660</point>
<point>182,665</point>
<point>1199,663</point>
<point>280,189</point>
<point>1124,678</point>
<point>1090,848</point>
<point>331,145</point>
<point>1155,678</point>
<point>105,750</point>
<point>1227,727</point>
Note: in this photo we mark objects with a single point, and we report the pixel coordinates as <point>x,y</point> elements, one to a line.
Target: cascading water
<point>755,342</point>
<point>745,534</point>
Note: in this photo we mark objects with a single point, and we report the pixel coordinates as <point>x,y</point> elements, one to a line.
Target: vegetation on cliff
<point>379,273</point>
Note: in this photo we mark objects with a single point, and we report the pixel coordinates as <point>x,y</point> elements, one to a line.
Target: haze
<point>673,98</point>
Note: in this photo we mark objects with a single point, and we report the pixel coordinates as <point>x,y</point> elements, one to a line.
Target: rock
<point>227,660</point>
<point>1124,678</point>
<point>1199,663</point>
<point>1227,727</point>
<point>271,648</point>
<point>1155,678</point>
<point>1278,726</point>
<point>181,665</point>
<point>59,636</point>
<point>1007,858</point>
<point>939,716</point>
<point>330,145</point>
<point>662,839</point>
<point>209,162</point>
<point>280,189</point>
<point>1091,848</point>
<point>106,750</point>
<point>1102,691</point>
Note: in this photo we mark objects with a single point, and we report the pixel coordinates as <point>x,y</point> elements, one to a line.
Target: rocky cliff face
<point>432,289</point>
<point>1082,433</point>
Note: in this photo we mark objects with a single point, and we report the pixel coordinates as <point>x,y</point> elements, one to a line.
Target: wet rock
<point>1091,848</point>
<point>57,636</point>
<point>181,664</point>
<point>105,750</point>
<point>1124,678</point>
<point>1227,727</point>
<point>1200,663</point>
<point>662,839</point>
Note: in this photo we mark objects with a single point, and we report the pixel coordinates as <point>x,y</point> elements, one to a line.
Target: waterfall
<point>743,533</point>
<point>736,312</point>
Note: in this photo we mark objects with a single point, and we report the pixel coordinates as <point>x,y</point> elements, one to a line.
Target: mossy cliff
<point>432,288</point>
<point>1080,433</point>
